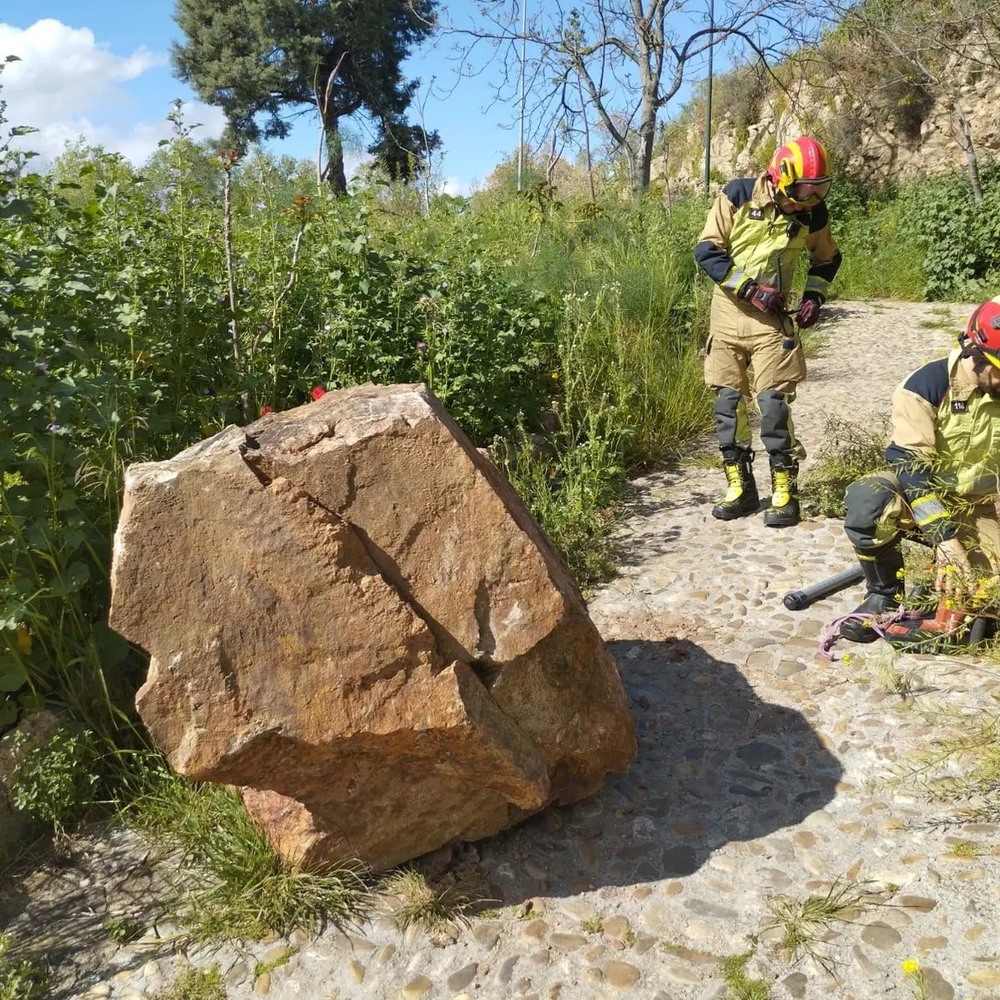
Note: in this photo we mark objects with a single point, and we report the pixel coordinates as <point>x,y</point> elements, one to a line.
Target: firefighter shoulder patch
<point>756,213</point>
<point>959,406</point>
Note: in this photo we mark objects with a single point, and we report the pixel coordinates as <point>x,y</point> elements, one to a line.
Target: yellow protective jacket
<point>746,238</point>
<point>945,443</point>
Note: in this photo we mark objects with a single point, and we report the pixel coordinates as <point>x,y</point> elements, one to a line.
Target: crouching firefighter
<point>943,482</point>
<point>753,238</point>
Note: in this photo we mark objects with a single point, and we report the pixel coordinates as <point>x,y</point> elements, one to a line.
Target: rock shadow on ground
<point>715,765</point>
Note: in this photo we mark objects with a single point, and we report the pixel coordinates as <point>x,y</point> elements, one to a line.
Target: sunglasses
<point>809,192</point>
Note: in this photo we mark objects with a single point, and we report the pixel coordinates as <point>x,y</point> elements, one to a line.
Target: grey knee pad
<point>775,429</point>
<point>866,500</point>
<point>727,404</point>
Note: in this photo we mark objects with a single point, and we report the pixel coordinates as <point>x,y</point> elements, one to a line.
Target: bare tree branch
<point>627,58</point>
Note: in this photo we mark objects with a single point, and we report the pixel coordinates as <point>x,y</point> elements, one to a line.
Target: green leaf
<point>12,675</point>
<point>8,711</point>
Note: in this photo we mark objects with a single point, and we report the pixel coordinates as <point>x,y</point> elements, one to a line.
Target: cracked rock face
<point>352,616</point>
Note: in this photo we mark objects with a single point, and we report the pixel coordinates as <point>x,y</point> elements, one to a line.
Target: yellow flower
<point>22,640</point>
<point>910,967</point>
<point>847,657</point>
<point>555,376</point>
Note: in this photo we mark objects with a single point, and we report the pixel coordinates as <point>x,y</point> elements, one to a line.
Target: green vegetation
<point>419,902</point>
<point>227,881</point>
<point>849,451</point>
<point>803,923</point>
<point>54,781</point>
<point>974,752</point>
<point>968,849</point>
<point>892,679</point>
<point>145,310</point>
<point>22,976</point>
<point>195,984</point>
<point>256,59</point>
<point>739,986</point>
<point>121,929</point>
<point>263,968</point>
<point>916,978</point>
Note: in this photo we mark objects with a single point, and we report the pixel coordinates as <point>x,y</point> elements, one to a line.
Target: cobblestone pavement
<point>765,774</point>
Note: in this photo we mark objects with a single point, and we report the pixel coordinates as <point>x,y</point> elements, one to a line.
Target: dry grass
<point>416,901</point>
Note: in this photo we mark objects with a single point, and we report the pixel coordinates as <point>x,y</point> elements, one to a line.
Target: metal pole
<point>708,101</point>
<point>520,136</point>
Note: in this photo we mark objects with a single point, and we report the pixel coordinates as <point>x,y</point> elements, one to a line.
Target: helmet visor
<point>990,357</point>
<point>809,192</point>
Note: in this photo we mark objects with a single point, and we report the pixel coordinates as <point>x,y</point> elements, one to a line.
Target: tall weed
<point>227,881</point>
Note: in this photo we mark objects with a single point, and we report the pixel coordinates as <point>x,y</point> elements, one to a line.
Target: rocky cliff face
<point>873,141</point>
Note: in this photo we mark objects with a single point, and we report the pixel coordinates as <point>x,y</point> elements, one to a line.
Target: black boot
<point>741,498</point>
<point>784,509</point>
<point>883,570</point>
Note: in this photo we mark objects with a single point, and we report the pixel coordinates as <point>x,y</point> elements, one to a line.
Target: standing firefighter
<point>751,243</point>
<point>943,478</point>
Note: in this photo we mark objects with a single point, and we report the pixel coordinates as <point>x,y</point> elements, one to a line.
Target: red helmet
<point>800,170</point>
<point>982,334</point>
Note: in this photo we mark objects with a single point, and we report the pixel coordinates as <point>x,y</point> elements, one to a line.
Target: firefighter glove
<point>766,298</point>
<point>808,310</point>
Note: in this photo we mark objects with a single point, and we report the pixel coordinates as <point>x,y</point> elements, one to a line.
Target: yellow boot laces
<point>735,480</point>
<point>782,488</point>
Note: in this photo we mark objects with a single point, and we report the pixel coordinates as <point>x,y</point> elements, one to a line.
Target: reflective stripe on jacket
<point>945,442</point>
<point>746,238</point>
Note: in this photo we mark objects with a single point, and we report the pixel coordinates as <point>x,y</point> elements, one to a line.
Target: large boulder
<point>352,616</point>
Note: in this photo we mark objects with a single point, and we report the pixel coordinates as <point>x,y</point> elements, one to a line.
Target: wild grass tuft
<point>739,986</point>
<point>968,849</point>
<point>431,906</point>
<point>195,984</point>
<point>227,881</point>
<point>805,922</point>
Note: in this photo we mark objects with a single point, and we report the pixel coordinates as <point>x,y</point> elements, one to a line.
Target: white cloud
<point>70,86</point>
<point>458,188</point>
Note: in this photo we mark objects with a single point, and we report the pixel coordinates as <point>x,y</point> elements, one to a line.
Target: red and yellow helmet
<point>982,333</point>
<point>800,170</point>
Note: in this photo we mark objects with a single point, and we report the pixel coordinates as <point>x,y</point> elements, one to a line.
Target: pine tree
<point>265,62</point>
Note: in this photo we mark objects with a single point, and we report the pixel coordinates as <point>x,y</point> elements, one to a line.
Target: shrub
<point>22,977</point>
<point>55,781</point>
<point>849,452</point>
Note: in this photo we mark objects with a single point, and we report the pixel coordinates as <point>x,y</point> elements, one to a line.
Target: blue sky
<point>100,69</point>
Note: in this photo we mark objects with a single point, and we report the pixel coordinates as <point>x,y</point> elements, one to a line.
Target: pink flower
<point>318,392</point>
<point>265,410</point>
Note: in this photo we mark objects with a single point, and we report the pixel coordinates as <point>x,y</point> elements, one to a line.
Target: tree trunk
<point>586,140</point>
<point>971,158</point>
<point>642,162</point>
<point>644,150</point>
<point>335,175</point>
